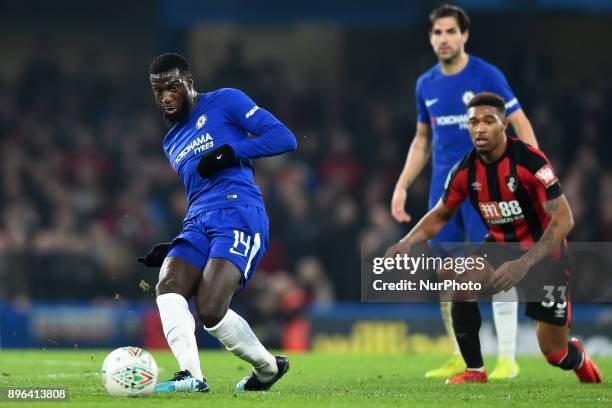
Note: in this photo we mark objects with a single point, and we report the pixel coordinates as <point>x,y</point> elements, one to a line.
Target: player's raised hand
<point>398,205</point>
<point>509,274</point>
<point>157,254</point>
<point>218,159</point>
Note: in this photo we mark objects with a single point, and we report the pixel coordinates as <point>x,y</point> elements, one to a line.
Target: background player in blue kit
<point>212,137</point>
<point>441,96</point>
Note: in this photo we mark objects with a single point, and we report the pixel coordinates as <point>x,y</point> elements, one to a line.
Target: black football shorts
<point>545,289</point>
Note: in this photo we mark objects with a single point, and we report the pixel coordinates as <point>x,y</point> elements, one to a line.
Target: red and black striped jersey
<point>508,194</point>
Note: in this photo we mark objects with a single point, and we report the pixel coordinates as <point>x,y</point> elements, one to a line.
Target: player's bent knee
<point>160,289</point>
<point>210,321</point>
<point>220,280</point>
<point>211,318</point>
<point>211,310</point>
<point>550,349</point>
<point>165,284</point>
<point>552,339</point>
<point>177,276</point>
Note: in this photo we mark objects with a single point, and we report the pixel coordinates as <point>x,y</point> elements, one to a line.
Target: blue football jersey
<point>225,116</point>
<point>441,103</point>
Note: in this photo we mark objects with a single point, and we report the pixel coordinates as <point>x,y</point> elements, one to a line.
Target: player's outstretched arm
<point>418,155</point>
<point>522,127</point>
<point>275,139</point>
<point>560,225</point>
<point>271,136</point>
<point>425,229</point>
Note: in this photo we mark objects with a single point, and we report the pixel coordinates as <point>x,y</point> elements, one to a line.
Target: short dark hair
<point>488,99</point>
<point>168,61</point>
<point>448,10</point>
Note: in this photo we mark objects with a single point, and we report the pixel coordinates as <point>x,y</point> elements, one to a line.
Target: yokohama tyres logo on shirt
<point>450,120</point>
<point>197,145</point>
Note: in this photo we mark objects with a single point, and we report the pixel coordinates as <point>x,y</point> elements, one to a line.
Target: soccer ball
<point>129,372</point>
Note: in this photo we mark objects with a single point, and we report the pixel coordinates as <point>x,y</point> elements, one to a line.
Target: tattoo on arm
<point>546,244</point>
<point>553,235</point>
<point>551,206</point>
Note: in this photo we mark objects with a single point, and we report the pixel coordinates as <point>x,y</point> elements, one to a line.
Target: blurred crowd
<point>86,189</point>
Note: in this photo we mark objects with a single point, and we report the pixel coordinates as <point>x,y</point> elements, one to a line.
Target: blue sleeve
<point>499,85</point>
<point>271,136</point>
<point>422,112</point>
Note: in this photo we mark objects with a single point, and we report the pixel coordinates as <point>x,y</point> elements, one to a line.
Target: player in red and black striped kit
<point>516,192</point>
<point>509,193</point>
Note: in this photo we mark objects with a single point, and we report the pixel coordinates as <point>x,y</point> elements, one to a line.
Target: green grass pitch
<point>315,379</point>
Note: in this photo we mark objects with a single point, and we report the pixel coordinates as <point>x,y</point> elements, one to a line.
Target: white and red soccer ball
<point>129,372</point>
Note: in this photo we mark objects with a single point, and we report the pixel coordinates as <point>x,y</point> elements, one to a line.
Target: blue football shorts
<point>238,234</point>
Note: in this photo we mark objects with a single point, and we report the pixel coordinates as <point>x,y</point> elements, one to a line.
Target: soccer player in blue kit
<point>442,132</point>
<point>211,140</point>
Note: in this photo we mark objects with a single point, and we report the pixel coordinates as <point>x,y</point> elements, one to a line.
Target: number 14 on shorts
<point>242,243</point>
